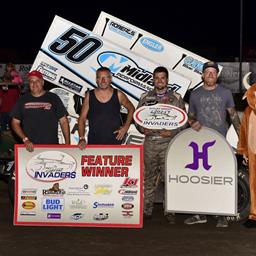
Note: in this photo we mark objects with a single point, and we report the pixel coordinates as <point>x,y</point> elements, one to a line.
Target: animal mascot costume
<point>247,148</point>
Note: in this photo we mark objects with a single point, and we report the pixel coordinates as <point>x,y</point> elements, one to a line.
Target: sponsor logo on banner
<point>28,197</point>
<point>53,204</point>
<point>193,64</point>
<point>51,166</point>
<point>197,155</point>
<point>152,44</point>
<point>127,192</point>
<point>47,73</point>
<point>27,213</point>
<point>127,214</point>
<point>102,205</point>
<point>130,183</point>
<point>55,190</point>
<point>48,66</point>
<point>77,191</point>
<point>121,30</point>
<point>103,189</point>
<point>127,70</point>
<point>203,156</point>
<point>127,206</point>
<point>53,215</point>
<point>160,116</point>
<point>78,204</point>
<point>28,205</point>
<point>100,216</point>
<point>65,82</point>
<point>77,216</point>
<point>28,191</point>
<point>127,198</point>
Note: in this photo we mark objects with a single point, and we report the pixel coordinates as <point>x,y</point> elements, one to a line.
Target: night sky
<point>208,28</point>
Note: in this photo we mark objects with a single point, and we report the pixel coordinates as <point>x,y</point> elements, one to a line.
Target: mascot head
<point>250,94</point>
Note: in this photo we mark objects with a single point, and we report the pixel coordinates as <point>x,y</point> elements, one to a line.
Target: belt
<point>158,138</point>
<point>155,137</point>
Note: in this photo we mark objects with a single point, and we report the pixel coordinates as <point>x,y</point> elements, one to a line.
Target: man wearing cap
<point>208,106</point>
<point>36,115</point>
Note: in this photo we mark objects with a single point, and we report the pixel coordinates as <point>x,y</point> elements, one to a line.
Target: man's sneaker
<point>170,218</point>
<point>250,223</point>
<point>222,222</point>
<point>196,219</point>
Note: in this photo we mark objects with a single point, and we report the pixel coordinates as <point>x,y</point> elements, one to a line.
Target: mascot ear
<point>246,84</point>
<point>251,96</point>
<point>245,81</point>
<point>245,96</point>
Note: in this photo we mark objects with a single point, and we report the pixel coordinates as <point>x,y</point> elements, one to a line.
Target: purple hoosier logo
<point>200,155</point>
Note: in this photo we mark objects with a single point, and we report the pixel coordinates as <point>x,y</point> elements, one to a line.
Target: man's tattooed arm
<point>234,119</point>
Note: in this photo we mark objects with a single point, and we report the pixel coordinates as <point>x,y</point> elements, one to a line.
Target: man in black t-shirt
<point>36,115</point>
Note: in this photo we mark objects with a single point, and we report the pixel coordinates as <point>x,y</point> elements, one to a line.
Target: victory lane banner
<point>201,174</point>
<point>59,185</point>
<point>71,54</point>
<point>160,116</point>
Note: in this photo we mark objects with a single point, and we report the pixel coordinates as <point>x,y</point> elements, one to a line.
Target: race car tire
<point>243,197</point>
<point>11,189</point>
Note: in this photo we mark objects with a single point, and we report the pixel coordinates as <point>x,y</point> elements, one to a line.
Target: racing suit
<point>155,147</point>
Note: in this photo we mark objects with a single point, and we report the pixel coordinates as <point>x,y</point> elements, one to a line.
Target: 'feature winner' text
<point>105,165</point>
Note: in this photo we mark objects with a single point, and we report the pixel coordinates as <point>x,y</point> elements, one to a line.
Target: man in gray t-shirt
<point>208,106</point>
<point>210,103</point>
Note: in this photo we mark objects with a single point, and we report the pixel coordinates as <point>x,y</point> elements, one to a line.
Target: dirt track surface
<point>155,238</point>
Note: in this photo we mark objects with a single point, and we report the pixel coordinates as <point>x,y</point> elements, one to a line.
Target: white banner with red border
<point>100,186</point>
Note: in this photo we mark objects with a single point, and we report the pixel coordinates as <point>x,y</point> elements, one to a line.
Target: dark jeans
<point>4,121</point>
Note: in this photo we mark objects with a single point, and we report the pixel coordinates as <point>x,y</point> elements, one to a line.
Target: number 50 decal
<point>75,45</point>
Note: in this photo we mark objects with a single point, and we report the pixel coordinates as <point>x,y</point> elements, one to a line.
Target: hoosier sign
<point>201,174</point>
<point>70,55</point>
<point>152,47</point>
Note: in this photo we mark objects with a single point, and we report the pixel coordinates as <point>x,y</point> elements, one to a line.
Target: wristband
<point>25,139</point>
<point>81,138</point>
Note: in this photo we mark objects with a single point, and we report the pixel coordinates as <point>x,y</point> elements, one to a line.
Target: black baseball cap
<point>210,64</point>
